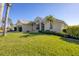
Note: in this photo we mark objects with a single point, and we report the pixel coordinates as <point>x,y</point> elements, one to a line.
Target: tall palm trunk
<point>6,18</point>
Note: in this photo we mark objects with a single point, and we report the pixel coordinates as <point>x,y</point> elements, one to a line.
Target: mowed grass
<point>31,44</point>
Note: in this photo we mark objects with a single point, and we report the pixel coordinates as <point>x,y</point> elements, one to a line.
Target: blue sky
<point>66,12</point>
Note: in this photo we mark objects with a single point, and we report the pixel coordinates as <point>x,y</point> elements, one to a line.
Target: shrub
<point>27,31</point>
<point>53,33</point>
<point>65,30</point>
<point>73,31</point>
<point>41,31</point>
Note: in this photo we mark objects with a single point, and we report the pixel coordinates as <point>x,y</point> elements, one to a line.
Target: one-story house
<point>40,24</point>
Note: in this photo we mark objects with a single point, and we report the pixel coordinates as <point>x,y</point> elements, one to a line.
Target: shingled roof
<point>61,21</point>
<point>22,22</point>
<point>27,22</point>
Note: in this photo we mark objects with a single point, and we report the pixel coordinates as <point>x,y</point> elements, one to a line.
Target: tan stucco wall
<point>57,27</point>
<point>26,27</point>
<point>47,26</point>
<point>34,28</point>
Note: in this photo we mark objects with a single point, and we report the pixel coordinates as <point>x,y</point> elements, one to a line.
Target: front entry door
<point>20,29</point>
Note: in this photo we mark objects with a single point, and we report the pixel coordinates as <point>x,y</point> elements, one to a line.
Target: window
<point>42,26</point>
<point>51,26</point>
<point>37,27</point>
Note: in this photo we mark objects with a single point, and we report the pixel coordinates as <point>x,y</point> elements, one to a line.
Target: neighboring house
<point>40,24</point>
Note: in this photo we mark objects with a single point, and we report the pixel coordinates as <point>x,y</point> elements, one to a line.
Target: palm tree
<point>6,17</point>
<point>50,19</point>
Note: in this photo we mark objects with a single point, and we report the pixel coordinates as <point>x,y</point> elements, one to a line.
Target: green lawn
<point>20,44</point>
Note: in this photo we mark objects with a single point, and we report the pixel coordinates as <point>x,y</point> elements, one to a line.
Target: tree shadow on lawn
<point>32,34</point>
<point>70,40</point>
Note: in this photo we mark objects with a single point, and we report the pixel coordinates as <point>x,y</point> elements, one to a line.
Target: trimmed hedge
<point>59,34</point>
<point>51,32</point>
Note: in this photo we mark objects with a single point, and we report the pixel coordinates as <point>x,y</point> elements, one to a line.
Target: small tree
<point>11,26</point>
<point>9,21</point>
